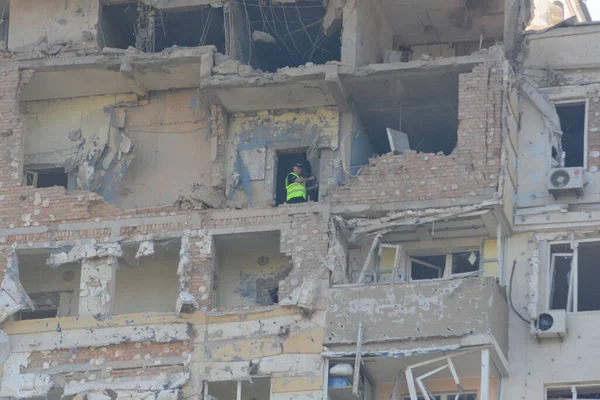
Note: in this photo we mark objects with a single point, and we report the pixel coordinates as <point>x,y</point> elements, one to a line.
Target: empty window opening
<point>190,28</point>
<point>285,165</point>
<point>455,265</point>
<point>151,30</point>
<point>290,35</point>
<point>248,269</point>
<point>118,25</point>
<point>422,114</point>
<point>54,291</point>
<point>4,19</point>
<point>149,282</point>
<point>44,178</point>
<point>574,392</point>
<point>572,123</point>
<point>574,277</point>
<point>254,389</point>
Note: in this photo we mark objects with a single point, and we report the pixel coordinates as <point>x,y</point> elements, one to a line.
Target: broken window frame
<point>573,294</point>
<point>586,103</point>
<point>31,174</point>
<point>573,389</point>
<point>447,271</point>
<point>393,272</point>
<point>239,383</point>
<point>418,388</point>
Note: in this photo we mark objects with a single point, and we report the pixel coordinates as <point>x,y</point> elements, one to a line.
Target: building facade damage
<point>149,248</point>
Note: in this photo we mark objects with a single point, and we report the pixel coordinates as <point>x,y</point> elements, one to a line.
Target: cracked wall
<point>51,27</point>
<point>255,138</point>
<point>62,133</point>
<point>471,171</point>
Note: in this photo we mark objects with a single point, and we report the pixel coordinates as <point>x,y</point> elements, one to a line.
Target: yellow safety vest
<point>295,189</point>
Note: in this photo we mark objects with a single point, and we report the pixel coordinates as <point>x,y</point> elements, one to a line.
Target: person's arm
<point>302,180</point>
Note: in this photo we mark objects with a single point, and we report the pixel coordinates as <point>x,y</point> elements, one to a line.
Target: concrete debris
<point>105,162</point>
<point>263,37</point>
<point>186,299</point>
<point>208,196</point>
<point>85,252</point>
<point>304,296</point>
<point>335,260</point>
<point>13,297</point>
<point>414,217</point>
<point>146,249</point>
<point>155,384</point>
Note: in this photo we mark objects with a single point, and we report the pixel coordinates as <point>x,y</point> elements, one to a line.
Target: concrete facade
<point>149,251</point>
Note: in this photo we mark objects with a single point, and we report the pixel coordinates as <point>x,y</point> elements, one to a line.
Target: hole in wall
<point>46,177</point>
<point>240,279</point>
<point>151,30</point>
<point>290,35</point>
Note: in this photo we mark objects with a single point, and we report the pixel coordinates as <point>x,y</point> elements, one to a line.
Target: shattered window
<point>460,264</point>
<point>572,123</point>
<point>573,285</point>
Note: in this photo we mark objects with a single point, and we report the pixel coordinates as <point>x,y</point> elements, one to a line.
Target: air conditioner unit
<point>550,324</point>
<point>565,181</point>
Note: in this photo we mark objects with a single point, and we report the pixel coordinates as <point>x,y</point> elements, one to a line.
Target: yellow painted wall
<point>490,251</point>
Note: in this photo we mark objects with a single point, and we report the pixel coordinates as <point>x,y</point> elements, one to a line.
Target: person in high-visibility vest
<point>295,185</point>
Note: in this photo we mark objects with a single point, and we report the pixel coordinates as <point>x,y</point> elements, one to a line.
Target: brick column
<point>97,285</point>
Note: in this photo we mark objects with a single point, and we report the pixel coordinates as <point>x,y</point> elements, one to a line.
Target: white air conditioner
<point>550,324</point>
<point>565,181</point>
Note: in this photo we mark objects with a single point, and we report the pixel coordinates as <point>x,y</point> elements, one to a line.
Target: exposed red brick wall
<point>100,355</point>
<point>471,170</point>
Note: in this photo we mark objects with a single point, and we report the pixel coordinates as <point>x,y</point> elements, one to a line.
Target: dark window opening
<point>427,267</point>
<point>574,286</point>
<point>53,291</point>
<point>45,178</point>
<point>118,25</point>
<point>561,257</point>
<point>285,165</point>
<point>290,35</point>
<point>572,123</point>
<point>191,28</point>
<point>422,109</point>
<point>151,30</point>
<point>588,277</point>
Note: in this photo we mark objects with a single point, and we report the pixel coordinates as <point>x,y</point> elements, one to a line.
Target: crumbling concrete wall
<point>280,344</point>
<point>418,310</point>
<point>60,133</point>
<point>470,173</point>
<point>254,139</point>
<point>53,26</point>
<point>367,33</point>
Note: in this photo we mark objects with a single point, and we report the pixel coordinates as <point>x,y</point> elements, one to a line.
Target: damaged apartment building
<point>447,251</point>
